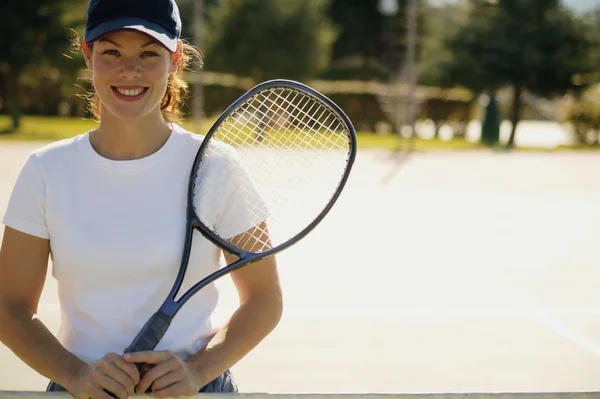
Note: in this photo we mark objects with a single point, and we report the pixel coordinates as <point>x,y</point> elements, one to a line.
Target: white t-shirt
<point>116,231</point>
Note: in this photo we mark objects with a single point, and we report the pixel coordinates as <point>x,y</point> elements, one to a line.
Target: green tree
<point>533,45</point>
<point>440,21</point>
<point>265,39</point>
<point>591,21</point>
<point>370,45</point>
<point>31,32</point>
<point>367,44</point>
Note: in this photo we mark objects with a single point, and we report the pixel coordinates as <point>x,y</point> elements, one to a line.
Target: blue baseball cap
<point>159,19</point>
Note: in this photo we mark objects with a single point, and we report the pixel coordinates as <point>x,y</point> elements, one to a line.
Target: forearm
<point>247,327</point>
<point>30,340</point>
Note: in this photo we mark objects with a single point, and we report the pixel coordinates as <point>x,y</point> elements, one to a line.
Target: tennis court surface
<point>448,272</point>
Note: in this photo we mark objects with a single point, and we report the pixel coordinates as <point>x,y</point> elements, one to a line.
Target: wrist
<point>198,372</point>
<point>68,374</point>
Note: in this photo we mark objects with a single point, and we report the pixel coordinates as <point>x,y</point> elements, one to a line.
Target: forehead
<point>128,37</point>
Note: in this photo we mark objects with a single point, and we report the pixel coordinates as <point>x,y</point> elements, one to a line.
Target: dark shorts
<point>223,383</point>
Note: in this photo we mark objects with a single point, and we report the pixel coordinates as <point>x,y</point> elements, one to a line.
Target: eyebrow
<point>118,45</point>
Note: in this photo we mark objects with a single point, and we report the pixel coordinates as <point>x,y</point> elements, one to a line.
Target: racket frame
<point>171,306</point>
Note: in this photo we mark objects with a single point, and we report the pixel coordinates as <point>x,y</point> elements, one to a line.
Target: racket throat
<point>170,304</point>
<point>169,309</point>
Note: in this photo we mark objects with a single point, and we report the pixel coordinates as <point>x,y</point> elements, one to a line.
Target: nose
<point>130,68</point>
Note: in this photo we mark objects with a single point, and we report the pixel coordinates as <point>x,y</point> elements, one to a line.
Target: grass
<point>40,128</point>
<point>36,128</point>
<point>52,128</point>
<point>389,142</point>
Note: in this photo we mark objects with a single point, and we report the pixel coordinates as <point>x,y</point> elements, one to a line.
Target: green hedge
<point>43,96</point>
<point>583,114</point>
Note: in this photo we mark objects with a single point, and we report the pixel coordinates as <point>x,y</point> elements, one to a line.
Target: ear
<point>87,54</point>
<point>176,58</point>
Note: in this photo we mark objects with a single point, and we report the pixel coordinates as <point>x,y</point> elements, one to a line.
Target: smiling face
<point>130,73</point>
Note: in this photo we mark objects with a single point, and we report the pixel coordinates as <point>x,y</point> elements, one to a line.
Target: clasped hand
<point>119,375</point>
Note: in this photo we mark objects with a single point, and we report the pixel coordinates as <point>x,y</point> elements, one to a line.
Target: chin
<point>127,113</point>
<point>130,111</point>
<point>130,116</point>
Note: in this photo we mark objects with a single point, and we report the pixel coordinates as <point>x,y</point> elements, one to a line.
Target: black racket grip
<point>151,334</point>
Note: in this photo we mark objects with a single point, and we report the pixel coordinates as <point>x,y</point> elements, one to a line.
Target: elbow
<point>10,313</point>
<point>5,326</point>
<point>277,310</point>
<point>268,306</point>
<point>273,307</point>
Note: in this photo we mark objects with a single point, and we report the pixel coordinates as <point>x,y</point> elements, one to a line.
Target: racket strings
<point>302,122</point>
<point>293,152</point>
<point>305,124</point>
<point>274,139</point>
<point>321,141</point>
<point>317,142</point>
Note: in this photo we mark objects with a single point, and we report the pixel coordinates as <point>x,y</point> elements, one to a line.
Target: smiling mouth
<point>130,93</point>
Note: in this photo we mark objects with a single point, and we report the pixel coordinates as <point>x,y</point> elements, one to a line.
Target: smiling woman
<point>149,51</point>
<point>128,68</point>
<point>109,205</point>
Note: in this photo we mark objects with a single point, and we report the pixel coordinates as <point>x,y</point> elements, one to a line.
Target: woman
<point>109,207</point>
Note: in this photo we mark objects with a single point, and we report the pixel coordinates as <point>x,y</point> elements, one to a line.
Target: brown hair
<point>177,87</point>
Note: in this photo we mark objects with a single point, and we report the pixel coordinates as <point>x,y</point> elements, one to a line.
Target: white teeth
<point>130,92</point>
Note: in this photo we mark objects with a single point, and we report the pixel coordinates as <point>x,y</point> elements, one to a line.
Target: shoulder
<point>217,155</point>
<point>197,139</point>
<point>54,153</point>
<point>58,150</point>
<point>186,136</point>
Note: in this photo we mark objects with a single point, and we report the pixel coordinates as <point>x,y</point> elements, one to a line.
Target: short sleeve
<point>242,206</point>
<point>227,200</point>
<point>26,209</point>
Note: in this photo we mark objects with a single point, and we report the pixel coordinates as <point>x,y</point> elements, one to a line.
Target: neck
<point>119,139</point>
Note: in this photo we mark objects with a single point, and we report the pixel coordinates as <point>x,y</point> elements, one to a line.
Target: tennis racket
<point>268,171</point>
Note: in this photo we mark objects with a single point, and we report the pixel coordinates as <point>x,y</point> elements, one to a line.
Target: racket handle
<point>151,334</point>
<point>148,337</point>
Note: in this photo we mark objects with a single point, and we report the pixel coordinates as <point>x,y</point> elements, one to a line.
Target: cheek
<point>159,75</point>
<point>102,70</point>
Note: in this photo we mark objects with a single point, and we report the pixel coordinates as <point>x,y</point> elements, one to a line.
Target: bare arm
<point>259,313</point>
<point>23,268</point>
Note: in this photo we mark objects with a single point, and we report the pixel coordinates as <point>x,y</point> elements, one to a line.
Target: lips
<point>129,93</point>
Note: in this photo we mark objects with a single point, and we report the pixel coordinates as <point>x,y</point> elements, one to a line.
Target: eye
<point>111,52</point>
<point>149,54</point>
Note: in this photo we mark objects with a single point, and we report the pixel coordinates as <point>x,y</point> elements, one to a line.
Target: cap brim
<point>151,29</point>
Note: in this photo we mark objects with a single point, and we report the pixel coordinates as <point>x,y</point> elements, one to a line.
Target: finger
<point>111,385</point>
<point>128,368</point>
<point>143,368</point>
<point>112,371</point>
<point>166,380</point>
<point>97,393</point>
<point>177,389</point>
<point>152,357</point>
<point>155,373</point>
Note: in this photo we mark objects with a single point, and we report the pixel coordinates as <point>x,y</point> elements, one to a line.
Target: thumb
<point>151,357</point>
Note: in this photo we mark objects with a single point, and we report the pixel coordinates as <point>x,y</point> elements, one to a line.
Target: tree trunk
<point>490,128</point>
<point>12,96</point>
<point>515,116</point>
<point>437,127</point>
